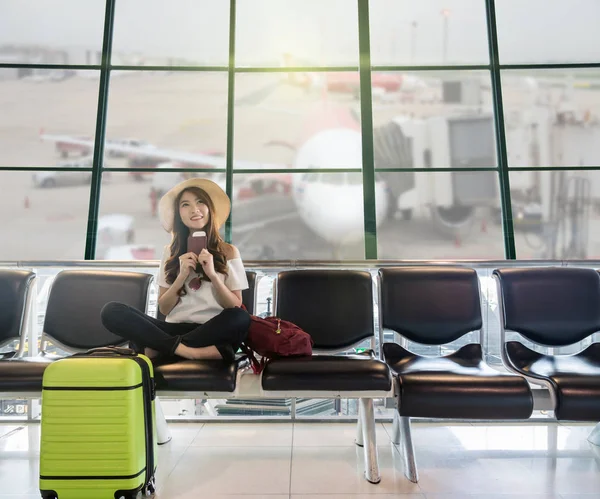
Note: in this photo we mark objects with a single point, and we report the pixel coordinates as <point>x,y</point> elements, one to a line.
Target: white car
<point>61,177</point>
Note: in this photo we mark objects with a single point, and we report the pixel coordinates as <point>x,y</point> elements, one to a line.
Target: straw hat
<point>221,202</point>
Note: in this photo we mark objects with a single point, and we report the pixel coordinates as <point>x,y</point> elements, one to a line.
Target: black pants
<point>225,331</point>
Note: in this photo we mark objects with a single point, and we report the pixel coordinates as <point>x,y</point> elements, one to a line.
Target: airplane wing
<point>166,154</point>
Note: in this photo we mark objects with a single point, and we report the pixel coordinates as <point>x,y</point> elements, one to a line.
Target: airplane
<point>330,204</point>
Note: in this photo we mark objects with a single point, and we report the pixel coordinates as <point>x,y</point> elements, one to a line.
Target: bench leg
<point>594,436</point>
<point>360,441</point>
<point>407,450</point>
<point>396,429</point>
<point>162,429</point>
<point>367,417</point>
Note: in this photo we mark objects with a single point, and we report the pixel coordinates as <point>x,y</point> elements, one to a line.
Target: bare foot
<point>150,353</point>
<point>197,353</point>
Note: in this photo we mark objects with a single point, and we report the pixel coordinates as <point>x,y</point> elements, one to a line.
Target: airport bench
<point>554,307</point>
<point>72,321</point>
<point>336,308</point>
<point>15,301</point>
<point>436,306</point>
<point>428,304</point>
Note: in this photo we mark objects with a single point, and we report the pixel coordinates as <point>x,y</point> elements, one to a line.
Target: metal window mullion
<point>505,199</point>
<point>45,169</point>
<point>295,69</point>
<point>479,67</point>
<point>302,69</point>
<point>53,67</point>
<point>436,169</point>
<point>163,170</point>
<point>552,65</point>
<point>294,171</point>
<point>366,113</point>
<point>173,69</point>
<point>553,168</point>
<point>230,116</point>
<point>432,67</point>
<point>94,205</point>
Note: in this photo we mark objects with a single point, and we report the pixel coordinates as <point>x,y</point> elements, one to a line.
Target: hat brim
<point>221,202</point>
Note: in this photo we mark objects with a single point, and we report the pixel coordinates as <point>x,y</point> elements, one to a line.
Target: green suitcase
<point>98,437</point>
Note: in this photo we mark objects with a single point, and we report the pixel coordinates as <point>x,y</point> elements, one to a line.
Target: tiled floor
<point>319,461</point>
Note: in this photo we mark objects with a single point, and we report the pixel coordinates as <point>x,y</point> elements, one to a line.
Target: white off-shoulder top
<point>201,305</point>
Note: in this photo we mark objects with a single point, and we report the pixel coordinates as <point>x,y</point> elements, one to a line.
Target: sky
<point>323,31</point>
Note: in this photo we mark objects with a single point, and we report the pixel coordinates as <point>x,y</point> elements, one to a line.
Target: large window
<point>342,129</point>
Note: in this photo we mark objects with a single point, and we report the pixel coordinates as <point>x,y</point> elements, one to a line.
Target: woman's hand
<point>187,264</point>
<point>205,259</point>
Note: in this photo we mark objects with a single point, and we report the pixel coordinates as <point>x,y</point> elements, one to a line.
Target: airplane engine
<point>453,219</point>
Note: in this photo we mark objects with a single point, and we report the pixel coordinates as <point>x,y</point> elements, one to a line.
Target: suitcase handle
<point>129,352</point>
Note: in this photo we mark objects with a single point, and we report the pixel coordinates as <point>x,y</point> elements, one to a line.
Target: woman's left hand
<point>206,260</point>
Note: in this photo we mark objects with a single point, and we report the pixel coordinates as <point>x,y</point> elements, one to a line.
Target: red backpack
<point>272,337</point>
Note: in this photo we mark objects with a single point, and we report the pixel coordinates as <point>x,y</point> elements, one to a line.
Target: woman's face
<point>193,212</point>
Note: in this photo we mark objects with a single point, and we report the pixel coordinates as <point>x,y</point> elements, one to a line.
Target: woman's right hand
<point>187,264</point>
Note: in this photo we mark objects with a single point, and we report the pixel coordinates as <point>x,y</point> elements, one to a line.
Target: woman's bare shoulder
<point>230,251</point>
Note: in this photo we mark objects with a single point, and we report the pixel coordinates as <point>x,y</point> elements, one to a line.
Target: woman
<point>200,294</point>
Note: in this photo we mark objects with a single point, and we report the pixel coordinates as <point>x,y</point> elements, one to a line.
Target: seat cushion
<point>575,379</point>
<point>22,375</point>
<point>327,372</point>
<point>195,375</point>
<point>459,385</point>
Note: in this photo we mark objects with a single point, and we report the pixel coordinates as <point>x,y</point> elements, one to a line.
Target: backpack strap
<point>256,365</point>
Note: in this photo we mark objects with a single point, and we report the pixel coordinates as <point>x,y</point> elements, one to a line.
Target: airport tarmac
<point>188,112</point>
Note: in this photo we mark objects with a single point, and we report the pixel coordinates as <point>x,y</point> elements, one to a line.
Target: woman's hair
<point>214,243</point>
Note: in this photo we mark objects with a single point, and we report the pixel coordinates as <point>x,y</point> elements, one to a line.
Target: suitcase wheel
<point>131,495</point>
<point>150,488</point>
